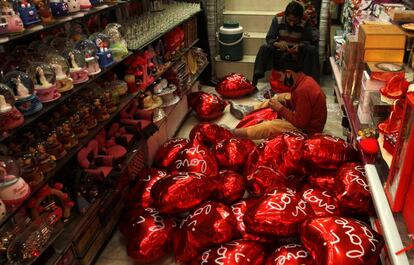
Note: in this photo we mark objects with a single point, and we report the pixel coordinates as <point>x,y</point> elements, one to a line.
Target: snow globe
<point>13,189</point>
<point>14,22</point>
<point>10,116</point>
<point>28,13</point>
<point>118,45</point>
<point>59,8</point>
<point>89,51</point>
<point>104,54</point>
<point>61,44</point>
<point>23,88</point>
<point>44,79</point>
<point>61,67</point>
<point>77,66</point>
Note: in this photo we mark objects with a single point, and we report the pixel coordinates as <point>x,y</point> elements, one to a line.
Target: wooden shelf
<point>48,107</point>
<point>393,229</point>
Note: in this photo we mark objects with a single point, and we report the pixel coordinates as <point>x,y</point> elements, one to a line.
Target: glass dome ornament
<point>59,8</point>
<point>118,45</point>
<point>28,13</point>
<point>44,79</point>
<point>23,89</point>
<point>104,53</point>
<point>77,66</point>
<point>61,68</point>
<point>89,51</point>
<point>61,44</point>
<point>10,116</point>
<point>14,22</point>
<point>13,189</point>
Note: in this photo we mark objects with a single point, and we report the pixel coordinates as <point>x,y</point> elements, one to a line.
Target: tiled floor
<point>115,251</point>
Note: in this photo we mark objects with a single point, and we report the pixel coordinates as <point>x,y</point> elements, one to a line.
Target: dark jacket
<point>279,30</point>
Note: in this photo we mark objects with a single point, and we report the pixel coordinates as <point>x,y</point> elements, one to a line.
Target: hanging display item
<point>23,88</point>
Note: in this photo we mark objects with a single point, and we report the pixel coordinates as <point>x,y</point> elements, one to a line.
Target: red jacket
<point>308,104</point>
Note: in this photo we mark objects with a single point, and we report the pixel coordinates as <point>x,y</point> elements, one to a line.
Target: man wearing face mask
<point>303,109</point>
<point>289,34</point>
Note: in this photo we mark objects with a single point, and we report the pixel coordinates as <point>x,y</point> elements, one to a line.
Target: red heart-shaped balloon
<point>230,154</point>
<point>339,240</point>
<point>150,236</point>
<point>239,209</point>
<point>181,192</point>
<point>323,179</point>
<point>291,254</point>
<point>256,117</point>
<point>234,86</point>
<point>352,189</point>
<point>207,106</point>
<point>211,223</point>
<point>140,194</point>
<point>265,180</point>
<point>238,252</point>
<point>168,152</point>
<point>322,203</point>
<point>197,158</point>
<point>210,133</point>
<point>278,214</point>
<point>248,144</point>
<point>326,151</point>
<point>231,186</point>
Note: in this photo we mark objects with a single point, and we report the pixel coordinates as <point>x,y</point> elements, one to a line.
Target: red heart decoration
<point>339,240</point>
<point>230,154</point>
<point>150,236</point>
<point>352,189</point>
<point>256,117</point>
<point>291,254</point>
<point>231,186</point>
<point>278,214</point>
<point>207,106</point>
<point>265,180</point>
<point>323,179</point>
<point>238,252</point>
<point>234,86</point>
<point>210,133</point>
<point>181,192</point>
<point>168,152</point>
<point>322,203</point>
<point>209,224</point>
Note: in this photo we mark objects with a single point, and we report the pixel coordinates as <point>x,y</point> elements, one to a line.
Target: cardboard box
<point>384,55</point>
<point>402,15</point>
<point>382,37</point>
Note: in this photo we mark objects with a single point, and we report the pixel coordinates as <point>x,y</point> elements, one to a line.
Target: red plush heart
<point>168,152</point>
<point>256,117</point>
<point>150,236</point>
<point>140,194</point>
<point>327,151</point>
<point>290,255</point>
<point>181,192</point>
<point>278,214</point>
<point>265,180</point>
<point>195,157</point>
<point>230,154</point>
<point>339,240</point>
<point>238,252</point>
<point>352,189</point>
<point>207,106</point>
<point>209,224</point>
<point>234,86</point>
<point>210,133</point>
<point>231,186</point>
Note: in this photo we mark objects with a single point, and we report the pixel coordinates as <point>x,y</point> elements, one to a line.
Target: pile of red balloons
<point>234,86</point>
<point>217,199</point>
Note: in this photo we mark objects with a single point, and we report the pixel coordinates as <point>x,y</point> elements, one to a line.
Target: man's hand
<point>282,45</point>
<point>294,49</point>
<point>275,104</point>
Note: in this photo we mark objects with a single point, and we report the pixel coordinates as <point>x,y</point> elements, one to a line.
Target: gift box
<point>371,84</point>
<point>399,181</point>
<point>352,52</point>
<point>399,15</point>
<point>376,73</point>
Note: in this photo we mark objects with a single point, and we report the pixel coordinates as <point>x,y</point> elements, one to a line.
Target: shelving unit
<point>392,227</point>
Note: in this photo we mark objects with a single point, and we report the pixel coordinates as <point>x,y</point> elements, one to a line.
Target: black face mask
<point>288,81</point>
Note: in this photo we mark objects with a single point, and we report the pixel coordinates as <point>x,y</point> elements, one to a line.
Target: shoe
<point>239,111</point>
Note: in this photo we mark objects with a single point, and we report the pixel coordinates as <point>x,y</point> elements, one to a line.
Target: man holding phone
<point>292,34</point>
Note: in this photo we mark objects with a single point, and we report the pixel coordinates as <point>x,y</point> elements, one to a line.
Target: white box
<point>364,117</point>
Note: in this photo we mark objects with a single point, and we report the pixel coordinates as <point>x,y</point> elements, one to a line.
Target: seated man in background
<point>291,34</point>
<point>303,109</point>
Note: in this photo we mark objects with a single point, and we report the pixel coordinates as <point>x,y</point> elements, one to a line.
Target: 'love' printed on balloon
<point>291,254</point>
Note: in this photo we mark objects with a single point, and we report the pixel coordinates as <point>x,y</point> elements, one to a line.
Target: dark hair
<point>288,62</point>
<point>294,8</point>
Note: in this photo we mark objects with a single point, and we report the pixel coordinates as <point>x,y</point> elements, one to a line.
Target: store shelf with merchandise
<point>390,224</point>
